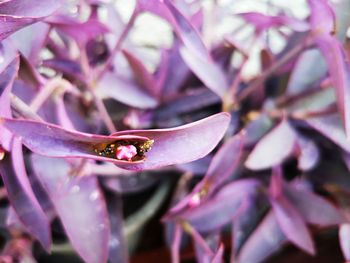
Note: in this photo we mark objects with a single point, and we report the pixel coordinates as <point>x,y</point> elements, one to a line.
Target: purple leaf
<point>182,26</point>
<point>187,32</point>
<point>21,195</point>
<point>118,250</point>
<point>17,14</point>
<point>88,229</point>
<point>322,16</point>
<point>304,73</point>
<point>82,32</point>
<point>313,208</point>
<point>143,77</point>
<point>213,242</point>
<point>7,54</point>
<point>218,257</point>
<point>273,148</point>
<point>186,103</point>
<point>339,73</point>
<point>309,155</point>
<point>221,208</point>
<point>330,126</point>
<point>247,221</point>
<point>112,86</point>
<point>206,70</point>
<point>292,224</point>
<point>7,77</point>
<point>184,143</point>
<point>265,240</point>
<point>263,22</point>
<point>30,40</point>
<point>344,238</point>
<point>170,146</point>
<point>66,66</point>
<point>220,169</point>
<point>288,217</point>
<point>177,72</point>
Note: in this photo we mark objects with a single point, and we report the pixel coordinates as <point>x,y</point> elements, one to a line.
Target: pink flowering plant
<point>230,166</point>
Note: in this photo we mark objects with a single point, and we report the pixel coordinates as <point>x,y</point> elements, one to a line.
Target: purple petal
<point>292,224</point>
<point>112,86</point>
<point>22,197</point>
<point>344,238</point>
<point>206,70</point>
<point>88,229</point>
<point>17,14</point>
<point>265,240</point>
<point>273,148</point>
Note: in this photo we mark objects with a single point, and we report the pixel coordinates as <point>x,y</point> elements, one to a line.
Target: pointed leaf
<point>313,208</point>
<point>143,77</point>
<point>206,70</point>
<point>79,204</point>
<point>273,148</point>
<point>331,127</point>
<point>17,14</point>
<point>112,86</point>
<point>322,16</point>
<point>187,32</point>
<point>308,154</point>
<point>221,209</point>
<point>21,195</point>
<point>170,146</point>
<point>292,224</point>
<point>266,239</point>
<point>7,77</point>
<point>222,166</point>
<point>344,238</point>
<point>339,72</point>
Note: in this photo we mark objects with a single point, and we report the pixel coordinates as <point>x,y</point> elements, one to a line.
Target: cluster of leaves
<point>71,75</point>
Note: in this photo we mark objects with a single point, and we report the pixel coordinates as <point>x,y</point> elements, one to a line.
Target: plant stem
<point>295,51</point>
<point>21,108</point>
<point>117,46</point>
<point>90,85</point>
